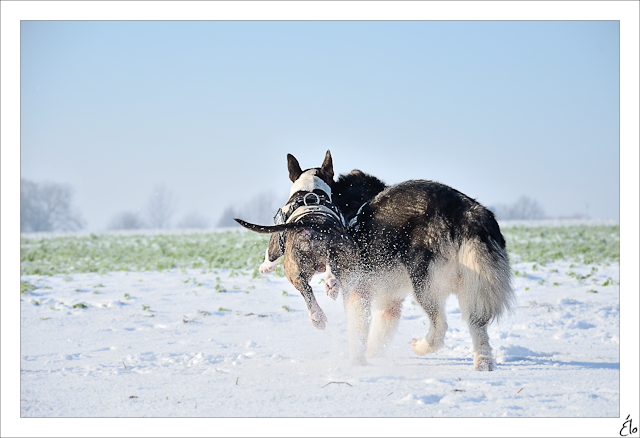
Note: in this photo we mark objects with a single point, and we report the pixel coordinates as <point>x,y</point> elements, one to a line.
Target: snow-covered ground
<point>170,344</point>
<point>191,343</point>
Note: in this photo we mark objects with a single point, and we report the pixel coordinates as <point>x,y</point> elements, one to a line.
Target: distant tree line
<point>524,208</point>
<point>158,213</point>
<point>159,210</point>
<point>259,210</point>
<point>47,206</point>
<point>161,207</point>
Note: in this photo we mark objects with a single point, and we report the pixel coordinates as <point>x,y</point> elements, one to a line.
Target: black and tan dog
<point>310,234</point>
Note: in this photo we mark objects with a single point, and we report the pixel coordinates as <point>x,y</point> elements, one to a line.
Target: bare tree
<point>194,220</point>
<point>161,207</point>
<point>47,207</point>
<point>260,210</point>
<point>126,220</point>
<point>30,215</point>
<point>262,207</point>
<point>226,220</point>
<point>524,208</point>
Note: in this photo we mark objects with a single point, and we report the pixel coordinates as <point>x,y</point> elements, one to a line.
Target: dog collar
<point>306,204</point>
<point>354,223</point>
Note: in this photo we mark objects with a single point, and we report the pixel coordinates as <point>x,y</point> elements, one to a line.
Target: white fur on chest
<point>308,182</point>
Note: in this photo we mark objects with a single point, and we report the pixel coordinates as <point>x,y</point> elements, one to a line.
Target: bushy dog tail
<point>486,278</point>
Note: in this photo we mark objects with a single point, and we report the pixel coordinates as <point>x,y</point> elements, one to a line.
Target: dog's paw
<point>422,347</point>
<point>482,363</point>
<point>318,319</point>
<point>373,352</point>
<point>266,268</point>
<point>331,288</point>
<point>359,360</point>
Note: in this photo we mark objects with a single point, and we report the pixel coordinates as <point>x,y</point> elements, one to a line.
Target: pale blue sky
<point>496,109</point>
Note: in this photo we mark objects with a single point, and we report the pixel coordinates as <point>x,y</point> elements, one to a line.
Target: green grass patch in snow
<point>26,287</point>
<point>108,253</point>
<point>243,251</point>
<point>587,244</point>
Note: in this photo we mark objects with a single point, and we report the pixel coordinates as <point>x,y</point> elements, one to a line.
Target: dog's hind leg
<point>384,322</point>
<point>434,340</point>
<point>485,294</point>
<point>388,292</point>
<point>331,283</point>
<point>341,263</point>
<point>482,360</point>
<point>316,315</point>
<point>477,320</point>
<point>300,280</point>
<point>357,306</point>
<point>430,292</point>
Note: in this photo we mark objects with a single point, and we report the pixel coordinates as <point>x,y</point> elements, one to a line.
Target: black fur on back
<point>423,215</point>
<point>354,189</point>
<point>442,240</point>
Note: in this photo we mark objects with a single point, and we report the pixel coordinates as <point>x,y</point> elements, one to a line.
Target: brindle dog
<point>314,237</point>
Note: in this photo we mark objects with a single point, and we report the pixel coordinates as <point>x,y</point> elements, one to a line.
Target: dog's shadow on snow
<point>597,365</point>
<point>524,363</point>
<point>545,364</point>
<point>590,365</point>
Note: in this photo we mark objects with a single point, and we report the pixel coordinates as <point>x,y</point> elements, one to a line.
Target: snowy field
<point>226,342</point>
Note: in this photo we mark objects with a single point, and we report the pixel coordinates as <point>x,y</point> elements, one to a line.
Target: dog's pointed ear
<point>294,168</point>
<point>327,166</point>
